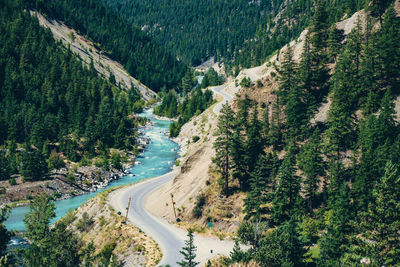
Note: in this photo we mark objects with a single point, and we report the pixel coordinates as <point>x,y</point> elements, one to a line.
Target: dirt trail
<point>87,52</point>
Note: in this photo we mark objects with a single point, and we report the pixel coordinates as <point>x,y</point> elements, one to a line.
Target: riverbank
<point>157,158</point>
<point>161,118</point>
<point>59,184</point>
<point>73,180</point>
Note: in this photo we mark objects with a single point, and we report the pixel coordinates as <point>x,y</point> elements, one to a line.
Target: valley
<point>169,134</point>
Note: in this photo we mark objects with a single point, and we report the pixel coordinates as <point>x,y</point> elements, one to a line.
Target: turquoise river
<point>156,160</point>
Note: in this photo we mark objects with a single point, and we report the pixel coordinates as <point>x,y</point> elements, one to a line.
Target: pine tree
<point>381,223</point>
<point>33,164</point>
<point>188,252</point>
<point>319,73</point>
<point>310,162</point>
<point>4,234</point>
<point>37,222</point>
<point>287,75</point>
<point>334,242</point>
<point>5,172</point>
<point>237,254</point>
<point>388,53</point>
<point>281,247</point>
<point>260,187</point>
<point>334,42</point>
<point>238,151</point>
<point>292,95</point>
<point>376,137</point>
<point>287,191</point>
<point>223,144</point>
<point>305,76</point>
<point>253,146</point>
<point>346,83</point>
<point>369,96</point>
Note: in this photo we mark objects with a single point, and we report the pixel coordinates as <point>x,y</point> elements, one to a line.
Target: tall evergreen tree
<point>254,145</point>
<point>319,81</point>
<point>37,222</point>
<point>310,162</point>
<point>381,223</point>
<point>334,243</point>
<point>188,252</point>
<point>5,171</point>
<point>334,42</point>
<point>388,53</point>
<point>287,74</point>
<point>4,234</point>
<point>376,138</point>
<point>281,247</point>
<point>287,191</point>
<point>223,144</point>
<point>33,164</point>
<point>238,152</point>
<point>260,187</point>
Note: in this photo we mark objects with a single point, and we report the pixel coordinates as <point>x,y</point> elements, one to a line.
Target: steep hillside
<point>55,110</point>
<point>143,58</point>
<point>197,30</point>
<point>88,52</point>
<point>239,31</point>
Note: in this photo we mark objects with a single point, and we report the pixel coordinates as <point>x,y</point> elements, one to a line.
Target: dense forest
<point>211,78</point>
<point>326,193</point>
<point>143,58</point>
<point>273,34</point>
<point>50,101</point>
<point>192,104</point>
<point>240,33</point>
<point>196,30</point>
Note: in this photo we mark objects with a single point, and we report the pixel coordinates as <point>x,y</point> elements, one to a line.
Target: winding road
<point>226,97</point>
<point>169,237</point>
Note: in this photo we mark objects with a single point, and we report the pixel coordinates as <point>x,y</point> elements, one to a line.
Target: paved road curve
<point>169,242</point>
<point>226,97</point>
<point>168,237</point>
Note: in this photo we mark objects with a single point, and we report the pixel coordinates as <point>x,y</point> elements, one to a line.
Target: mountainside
<point>144,59</point>
<point>239,32</point>
<point>197,30</point>
<point>89,54</point>
<point>312,148</point>
<point>54,108</point>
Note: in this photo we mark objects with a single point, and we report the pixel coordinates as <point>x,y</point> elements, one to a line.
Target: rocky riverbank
<point>59,184</point>
<point>72,180</point>
<point>160,118</point>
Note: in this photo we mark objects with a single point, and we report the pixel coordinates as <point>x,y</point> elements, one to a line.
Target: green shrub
<point>84,223</point>
<point>71,177</point>
<point>12,181</point>
<point>246,82</point>
<point>195,138</point>
<point>116,160</point>
<point>55,161</point>
<point>85,161</point>
<point>200,202</point>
